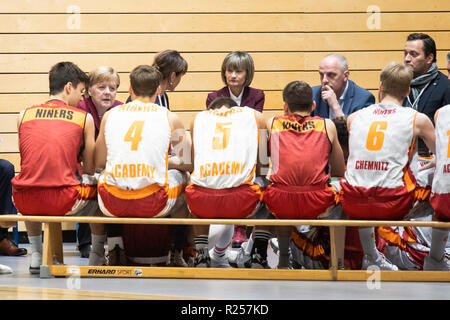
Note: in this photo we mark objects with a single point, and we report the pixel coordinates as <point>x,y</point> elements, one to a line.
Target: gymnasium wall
<point>287,39</point>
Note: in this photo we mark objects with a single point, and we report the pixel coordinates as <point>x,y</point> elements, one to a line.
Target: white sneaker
<point>240,258</point>
<point>96,259</point>
<point>36,261</point>
<point>431,264</point>
<point>217,261</point>
<point>381,262</point>
<point>5,269</point>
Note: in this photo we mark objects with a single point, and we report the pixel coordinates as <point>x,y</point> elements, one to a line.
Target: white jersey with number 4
<point>226,147</point>
<point>138,138</point>
<point>380,143</point>
<point>441,181</point>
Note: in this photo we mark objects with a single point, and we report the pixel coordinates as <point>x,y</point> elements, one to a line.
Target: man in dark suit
<point>338,96</point>
<point>430,88</point>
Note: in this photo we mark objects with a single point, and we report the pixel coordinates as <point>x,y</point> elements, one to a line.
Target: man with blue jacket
<point>338,96</point>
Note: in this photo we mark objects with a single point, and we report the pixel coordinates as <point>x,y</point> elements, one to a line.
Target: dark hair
<point>298,96</point>
<point>64,72</point>
<point>145,80</point>
<point>428,44</point>
<point>222,101</point>
<point>169,61</point>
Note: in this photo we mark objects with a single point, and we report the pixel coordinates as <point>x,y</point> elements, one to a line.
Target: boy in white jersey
<point>225,156</point>
<point>440,196</point>
<point>378,182</point>
<point>138,146</point>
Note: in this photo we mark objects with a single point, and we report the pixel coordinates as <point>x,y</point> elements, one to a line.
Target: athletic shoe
<point>202,259</point>
<point>117,257</point>
<point>36,261</point>
<point>85,250</point>
<point>5,269</point>
<point>219,261</point>
<point>175,259</point>
<point>239,236</point>
<point>381,262</point>
<point>431,264</point>
<point>96,259</point>
<point>259,262</point>
<point>240,258</point>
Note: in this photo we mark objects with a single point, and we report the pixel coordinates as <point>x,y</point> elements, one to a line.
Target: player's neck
<point>391,100</point>
<point>146,99</point>
<point>60,97</point>
<point>301,113</point>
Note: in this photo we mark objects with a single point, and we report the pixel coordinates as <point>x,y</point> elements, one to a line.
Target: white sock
<point>98,243</point>
<point>36,251</point>
<point>225,237</point>
<point>36,244</point>
<point>113,241</point>
<point>439,238</point>
<point>367,238</point>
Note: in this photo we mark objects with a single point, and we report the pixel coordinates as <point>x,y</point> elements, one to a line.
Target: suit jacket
<point>436,95</point>
<point>355,98</point>
<point>252,98</point>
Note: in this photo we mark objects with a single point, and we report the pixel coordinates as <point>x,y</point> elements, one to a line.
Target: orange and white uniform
<point>226,148</point>
<point>299,150</point>
<point>378,181</point>
<point>440,190</point>
<point>136,181</point>
<point>51,181</point>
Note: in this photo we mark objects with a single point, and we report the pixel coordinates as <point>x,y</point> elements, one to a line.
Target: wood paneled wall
<point>286,38</point>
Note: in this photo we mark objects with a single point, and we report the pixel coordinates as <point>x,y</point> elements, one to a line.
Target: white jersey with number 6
<point>137,136</point>
<point>226,147</point>
<point>380,144</point>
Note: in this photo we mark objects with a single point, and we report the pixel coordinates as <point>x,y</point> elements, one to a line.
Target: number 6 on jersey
<point>375,137</point>
<point>134,134</point>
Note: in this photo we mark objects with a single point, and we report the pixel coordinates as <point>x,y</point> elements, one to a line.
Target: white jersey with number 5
<point>380,144</point>
<point>441,181</point>
<point>137,136</point>
<point>226,147</point>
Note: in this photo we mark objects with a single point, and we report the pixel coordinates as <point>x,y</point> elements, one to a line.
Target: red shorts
<point>441,206</point>
<point>61,201</point>
<point>299,202</point>
<point>375,203</point>
<point>232,203</point>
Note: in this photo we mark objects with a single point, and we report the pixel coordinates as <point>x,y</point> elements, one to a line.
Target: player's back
<point>380,145</point>
<point>51,140</point>
<point>225,146</point>
<point>137,136</point>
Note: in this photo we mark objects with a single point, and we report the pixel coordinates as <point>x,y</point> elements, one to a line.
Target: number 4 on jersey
<point>134,134</point>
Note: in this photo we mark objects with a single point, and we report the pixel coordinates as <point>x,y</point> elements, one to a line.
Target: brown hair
<point>298,96</point>
<point>169,61</point>
<point>145,80</point>
<point>239,60</point>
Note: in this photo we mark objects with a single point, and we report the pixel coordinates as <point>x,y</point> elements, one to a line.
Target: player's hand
<point>330,98</point>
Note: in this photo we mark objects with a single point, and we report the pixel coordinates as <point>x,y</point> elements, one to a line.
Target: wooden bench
<point>53,251</point>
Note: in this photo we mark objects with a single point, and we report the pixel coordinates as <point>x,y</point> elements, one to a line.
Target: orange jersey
<point>51,138</point>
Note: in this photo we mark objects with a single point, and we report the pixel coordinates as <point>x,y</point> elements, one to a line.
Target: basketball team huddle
<point>233,163</point>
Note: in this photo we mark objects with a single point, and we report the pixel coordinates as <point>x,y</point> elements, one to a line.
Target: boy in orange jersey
<point>56,142</point>
<point>305,153</point>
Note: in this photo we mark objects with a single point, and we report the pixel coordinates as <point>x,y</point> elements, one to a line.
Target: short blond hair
<point>103,73</point>
<point>396,79</point>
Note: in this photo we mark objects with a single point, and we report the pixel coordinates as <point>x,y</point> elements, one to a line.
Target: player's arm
<point>262,165</point>
<point>89,145</point>
<point>424,129</point>
<point>100,145</point>
<point>181,145</point>
<point>336,157</point>
<point>19,121</point>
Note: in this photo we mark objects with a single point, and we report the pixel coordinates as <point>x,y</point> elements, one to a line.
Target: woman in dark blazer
<point>237,74</point>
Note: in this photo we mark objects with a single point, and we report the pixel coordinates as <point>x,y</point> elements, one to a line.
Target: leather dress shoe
<point>8,248</point>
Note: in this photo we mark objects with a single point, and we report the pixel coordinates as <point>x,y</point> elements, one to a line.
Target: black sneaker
<point>258,262</point>
<point>175,258</point>
<point>85,250</point>
<point>202,259</point>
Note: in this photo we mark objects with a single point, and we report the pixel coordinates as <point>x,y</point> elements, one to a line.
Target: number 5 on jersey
<point>375,137</point>
<point>134,134</point>
<point>221,136</point>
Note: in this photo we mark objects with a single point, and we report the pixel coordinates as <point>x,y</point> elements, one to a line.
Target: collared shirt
<point>237,99</point>
<point>340,101</point>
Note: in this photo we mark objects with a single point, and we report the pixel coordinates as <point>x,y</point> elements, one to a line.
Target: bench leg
<point>333,253</point>
<point>52,247</point>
